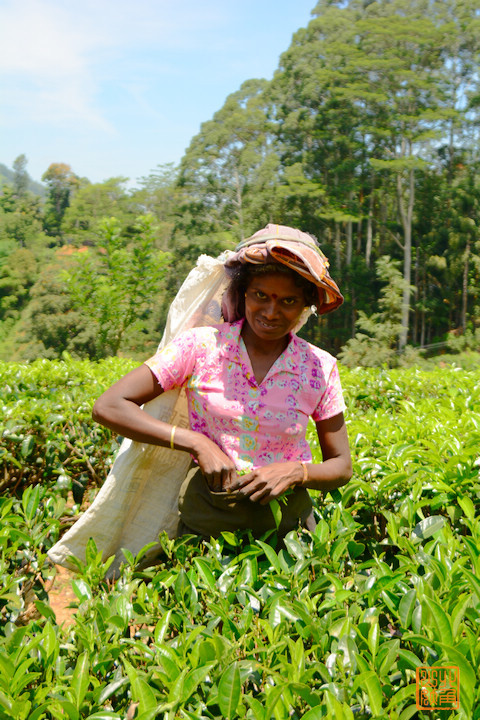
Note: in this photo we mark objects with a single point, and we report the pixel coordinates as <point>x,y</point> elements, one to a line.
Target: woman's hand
<point>217,467</point>
<point>119,408</point>
<point>268,482</point>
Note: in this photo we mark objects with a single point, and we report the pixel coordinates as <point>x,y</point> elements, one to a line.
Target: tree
<point>317,126</point>
<point>160,195</point>
<point>377,342</point>
<point>20,178</point>
<point>402,61</point>
<point>220,169</point>
<point>362,96</point>
<point>91,203</point>
<point>17,275</point>
<point>20,217</point>
<point>114,286</point>
<point>61,182</point>
<point>464,237</point>
<point>51,325</point>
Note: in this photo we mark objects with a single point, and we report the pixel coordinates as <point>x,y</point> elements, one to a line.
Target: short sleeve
<point>175,363</point>
<point>331,402</point>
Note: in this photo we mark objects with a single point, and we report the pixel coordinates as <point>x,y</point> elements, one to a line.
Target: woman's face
<point>273,305</point>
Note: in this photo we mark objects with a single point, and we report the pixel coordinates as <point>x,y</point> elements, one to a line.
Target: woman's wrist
<point>304,476</point>
<point>184,439</point>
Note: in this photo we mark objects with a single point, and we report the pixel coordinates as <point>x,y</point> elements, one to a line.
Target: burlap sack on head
<point>139,498</point>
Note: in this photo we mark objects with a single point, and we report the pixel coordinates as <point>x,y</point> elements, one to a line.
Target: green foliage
<point>160,195</point>
<point>469,341</point>
<point>50,325</point>
<point>377,343</point>
<point>113,287</point>
<point>60,181</point>
<point>42,440</point>
<point>333,625</point>
<point>20,175</point>
<point>366,136</point>
<point>20,217</point>
<point>223,168</point>
<point>90,205</point>
<point>17,275</point>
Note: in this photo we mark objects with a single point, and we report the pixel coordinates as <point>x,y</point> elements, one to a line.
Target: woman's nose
<point>271,309</point>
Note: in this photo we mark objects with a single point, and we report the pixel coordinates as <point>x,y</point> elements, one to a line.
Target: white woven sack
<point>139,498</point>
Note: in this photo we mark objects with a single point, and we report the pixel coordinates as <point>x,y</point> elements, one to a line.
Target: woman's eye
<point>260,295</point>
<point>290,301</point>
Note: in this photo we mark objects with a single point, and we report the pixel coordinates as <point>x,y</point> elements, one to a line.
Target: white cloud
<point>117,86</point>
<point>45,65</point>
<point>35,39</point>
<point>54,56</point>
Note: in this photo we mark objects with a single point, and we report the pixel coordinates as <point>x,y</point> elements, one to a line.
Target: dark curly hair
<point>242,276</point>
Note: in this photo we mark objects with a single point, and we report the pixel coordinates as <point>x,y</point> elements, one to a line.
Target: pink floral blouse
<point>253,424</point>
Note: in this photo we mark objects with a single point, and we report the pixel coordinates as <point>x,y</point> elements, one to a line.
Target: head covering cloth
<point>290,247</point>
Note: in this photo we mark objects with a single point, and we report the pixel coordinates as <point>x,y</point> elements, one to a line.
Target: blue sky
<point>116,87</point>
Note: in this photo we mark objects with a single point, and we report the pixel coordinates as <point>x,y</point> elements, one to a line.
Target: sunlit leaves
<point>330,624</point>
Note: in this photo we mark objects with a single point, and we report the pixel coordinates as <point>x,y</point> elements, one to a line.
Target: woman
<point>251,385</point>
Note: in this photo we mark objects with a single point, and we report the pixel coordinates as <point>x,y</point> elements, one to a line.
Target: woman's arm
<point>269,482</point>
<point>119,409</point>
<point>336,468</point>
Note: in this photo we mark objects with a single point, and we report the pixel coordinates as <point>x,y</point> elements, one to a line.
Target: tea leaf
<point>468,678</point>
<point>406,607</point>
<point>276,512</point>
<point>374,692</point>
<point>229,690</point>
<point>474,582</point>
<point>205,572</point>
<point>271,555</point>
<point>111,689</point>
<point>467,506</point>
<point>315,713</point>
<point>402,694</point>
<point>80,679</point>
<point>428,527</point>
<point>441,620</point>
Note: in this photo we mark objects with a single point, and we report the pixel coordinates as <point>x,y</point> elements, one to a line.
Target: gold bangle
<point>305,471</point>
<point>172,435</point>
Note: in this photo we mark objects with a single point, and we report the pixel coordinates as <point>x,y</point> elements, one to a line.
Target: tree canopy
<point>366,136</point>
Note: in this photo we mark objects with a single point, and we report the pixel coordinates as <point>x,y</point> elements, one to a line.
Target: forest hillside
<point>367,137</point>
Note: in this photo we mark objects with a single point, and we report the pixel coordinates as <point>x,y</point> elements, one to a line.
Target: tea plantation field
<point>332,626</point>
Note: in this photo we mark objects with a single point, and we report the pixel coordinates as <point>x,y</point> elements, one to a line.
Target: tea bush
<point>333,625</point>
<point>47,434</point>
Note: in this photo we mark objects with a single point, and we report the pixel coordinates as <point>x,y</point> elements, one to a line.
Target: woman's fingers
<point>268,482</point>
<point>215,465</point>
<point>220,477</point>
<point>216,485</point>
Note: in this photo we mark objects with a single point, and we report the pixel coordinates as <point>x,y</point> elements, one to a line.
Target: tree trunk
<point>239,203</point>
<point>406,214</point>
<point>349,248</point>
<point>417,295</point>
<point>338,256</point>
<point>368,248</point>
<point>348,253</point>
<point>465,286</point>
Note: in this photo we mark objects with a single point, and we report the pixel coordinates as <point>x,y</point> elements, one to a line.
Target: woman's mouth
<point>267,326</point>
